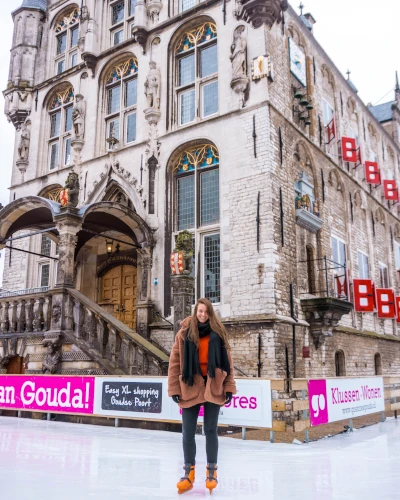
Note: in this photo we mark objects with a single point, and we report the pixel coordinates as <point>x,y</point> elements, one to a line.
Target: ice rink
<point>40,460</point>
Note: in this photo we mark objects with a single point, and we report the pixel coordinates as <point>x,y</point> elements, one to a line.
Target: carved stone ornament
<point>153,9</point>
<point>258,12</point>
<point>153,86</point>
<point>69,196</point>
<point>182,257</point>
<point>240,80</point>
<point>78,116</point>
<point>51,362</point>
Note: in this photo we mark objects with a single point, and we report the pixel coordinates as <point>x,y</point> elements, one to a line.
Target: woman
<point>200,373</point>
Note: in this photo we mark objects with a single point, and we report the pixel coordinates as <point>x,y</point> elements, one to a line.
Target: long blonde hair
<point>215,324</point>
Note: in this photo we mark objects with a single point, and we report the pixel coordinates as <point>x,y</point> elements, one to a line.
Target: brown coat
<point>215,389</point>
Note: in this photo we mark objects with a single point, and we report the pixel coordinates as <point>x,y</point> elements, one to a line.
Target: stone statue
<point>182,257</point>
<point>52,359</point>
<point>69,196</point>
<point>78,116</point>
<point>238,53</point>
<point>23,147</point>
<point>152,86</point>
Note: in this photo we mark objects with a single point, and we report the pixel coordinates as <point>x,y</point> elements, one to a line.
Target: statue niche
<point>238,57</point>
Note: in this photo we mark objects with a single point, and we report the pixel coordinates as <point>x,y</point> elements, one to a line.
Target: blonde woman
<point>200,373</point>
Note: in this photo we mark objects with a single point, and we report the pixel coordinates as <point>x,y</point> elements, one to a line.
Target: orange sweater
<point>203,354</point>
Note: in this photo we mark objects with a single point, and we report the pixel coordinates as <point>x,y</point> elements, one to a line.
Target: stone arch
<point>28,212</point>
<point>340,363</point>
<point>51,192</point>
<point>113,62</point>
<point>297,36</point>
<point>360,200</point>
<point>335,181</point>
<point>60,88</point>
<point>115,193</point>
<point>327,73</point>
<point>187,25</point>
<point>380,216</point>
<point>63,12</point>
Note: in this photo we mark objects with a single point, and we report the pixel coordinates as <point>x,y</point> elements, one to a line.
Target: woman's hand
<point>175,399</point>
<point>228,397</point>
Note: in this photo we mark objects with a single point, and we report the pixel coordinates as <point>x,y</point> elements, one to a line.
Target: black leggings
<point>189,424</point>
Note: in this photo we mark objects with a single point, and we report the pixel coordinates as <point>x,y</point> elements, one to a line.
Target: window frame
<point>64,133</point>
<point>125,24</point>
<point>123,111</point>
<point>66,57</point>
<point>197,84</point>
<point>383,275</point>
<point>361,275</point>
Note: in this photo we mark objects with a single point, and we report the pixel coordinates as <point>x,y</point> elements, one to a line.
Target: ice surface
<point>41,460</point>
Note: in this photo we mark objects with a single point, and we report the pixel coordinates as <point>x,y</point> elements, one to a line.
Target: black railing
<point>326,278</point>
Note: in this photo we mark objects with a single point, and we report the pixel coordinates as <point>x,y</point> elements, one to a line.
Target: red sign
<point>397,300</point>
<point>372,172</point>
<point>331,130</point>
<point>391,191</point>
<point>385,303</point>
<point>350,152</point>
<point>176,262</point>
<point>363,295</point>
<point>342,285</point>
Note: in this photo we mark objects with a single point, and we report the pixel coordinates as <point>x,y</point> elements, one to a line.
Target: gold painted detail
<point>199,156</point>
<point>64,97</point>
<point>125,68</point>
<point>69,20</point>
<point>54,194</point>
<point>203,33</point>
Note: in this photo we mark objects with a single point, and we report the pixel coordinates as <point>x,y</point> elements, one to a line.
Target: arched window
<point>340,366</point>
<point>122,16</point>
<point>196,178</point>
<point>378,364</point>
<point>121,100</point>
<point>60,111</point>
<point>196,75</point>
<point>67,33</point>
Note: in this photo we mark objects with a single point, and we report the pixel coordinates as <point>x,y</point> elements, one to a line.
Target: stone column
<point>143,302</point>
<point>68,225</point>
<point>182,297</point>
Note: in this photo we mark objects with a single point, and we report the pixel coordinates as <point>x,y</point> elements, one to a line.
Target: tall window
<point>340,366</point>
<point>196,76</point>
<point>339,266</point>
<point>397,255</point>
<point>67,34</point>
<point>328,114</point>
<point>378,364</point>
<point>122,16</point>
<point>197,210</point>
<point>363,267</point>
<point>47,266</point>
<point>60,115</point>
<point>121,100</point>
<point>383,275</point>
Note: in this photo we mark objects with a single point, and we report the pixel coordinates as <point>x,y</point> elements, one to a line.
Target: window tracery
<point>60,114</point>
<point>67,35</point>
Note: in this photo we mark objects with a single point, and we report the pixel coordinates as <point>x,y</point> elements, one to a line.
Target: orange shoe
<point>186,482</point>
<point>211,479</point>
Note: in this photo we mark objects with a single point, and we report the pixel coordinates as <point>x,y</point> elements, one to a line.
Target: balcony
<point>308,220</point>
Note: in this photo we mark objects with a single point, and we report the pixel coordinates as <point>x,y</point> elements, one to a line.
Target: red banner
<point>372,172</point>
<point>385,303</point>
<point>331,130</point>
<point>363,295</point>
<point>342,288</point>
<point>390,189</point>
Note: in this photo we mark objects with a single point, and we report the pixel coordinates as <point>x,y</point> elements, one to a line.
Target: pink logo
<point>318,402</point>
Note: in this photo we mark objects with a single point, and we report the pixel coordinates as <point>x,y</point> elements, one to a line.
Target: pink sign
<point>47,393</point>
<point>318,402</point>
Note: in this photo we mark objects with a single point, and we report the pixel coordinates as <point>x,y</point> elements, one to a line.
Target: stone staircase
<point>68,315</point>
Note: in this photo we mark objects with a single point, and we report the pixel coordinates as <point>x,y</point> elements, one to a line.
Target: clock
<point>297,60</point>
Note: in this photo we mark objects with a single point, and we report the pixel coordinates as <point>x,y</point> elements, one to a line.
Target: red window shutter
<point>397,300</point>
<point>350,152</point>
<point>390,189</point>
<point>331,130</point>
<point>385,303</point>
<point>372,172</point>
<point>364,297</point>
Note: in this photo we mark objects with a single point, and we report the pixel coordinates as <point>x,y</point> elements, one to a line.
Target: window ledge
<point>308,220</point>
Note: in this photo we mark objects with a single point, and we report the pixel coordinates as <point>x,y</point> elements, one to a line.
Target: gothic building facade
<point>136,120</point>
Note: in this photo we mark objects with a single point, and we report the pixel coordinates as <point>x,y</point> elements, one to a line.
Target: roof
<point>352,86</point>
<point>34,4</point>
<point>383,112</point>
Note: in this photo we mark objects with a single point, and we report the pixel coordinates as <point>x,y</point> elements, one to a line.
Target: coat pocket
<point>217,383</point>
<point>188,392</point>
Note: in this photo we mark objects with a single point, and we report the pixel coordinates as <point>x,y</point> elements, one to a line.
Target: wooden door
<point>16,366</point>
<point>119,290</point>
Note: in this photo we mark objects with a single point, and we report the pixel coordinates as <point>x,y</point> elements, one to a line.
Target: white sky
<point>359,35</point>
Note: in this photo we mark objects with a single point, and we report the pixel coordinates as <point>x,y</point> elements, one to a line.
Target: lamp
<point>309,106</point>
<point>109,245</point>
<point>298,94</point>
<point>304,100</point>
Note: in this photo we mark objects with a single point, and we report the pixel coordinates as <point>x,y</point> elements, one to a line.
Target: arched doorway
<point>119,292</point>
<point>16,366</point>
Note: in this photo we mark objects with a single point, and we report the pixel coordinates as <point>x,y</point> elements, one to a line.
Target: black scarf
<point>217,355</point>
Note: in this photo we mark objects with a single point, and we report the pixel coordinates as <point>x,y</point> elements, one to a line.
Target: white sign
<point>147,398</point>
<point>344,398</point>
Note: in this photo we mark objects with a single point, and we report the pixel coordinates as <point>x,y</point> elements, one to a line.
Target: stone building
<point>137,120</point>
